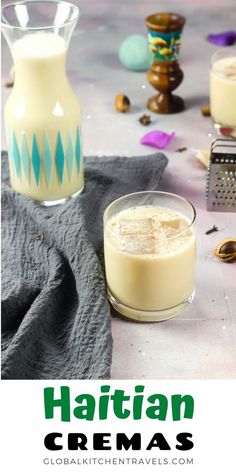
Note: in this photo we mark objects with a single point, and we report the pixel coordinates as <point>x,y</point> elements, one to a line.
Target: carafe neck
<point>40,72</point>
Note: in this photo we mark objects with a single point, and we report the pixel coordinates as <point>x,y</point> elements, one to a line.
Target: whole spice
<point>145,120</point>
<point>226,250</point>
<point>206,111</point>
<point>212,230</point>
<point>181,149</point>
<point>9,84</point>
<point>122,103</point>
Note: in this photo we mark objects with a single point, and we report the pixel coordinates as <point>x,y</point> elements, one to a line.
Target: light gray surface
<point>202,342</point>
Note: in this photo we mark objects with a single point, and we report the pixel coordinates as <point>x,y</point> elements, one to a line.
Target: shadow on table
<point>196,101</point>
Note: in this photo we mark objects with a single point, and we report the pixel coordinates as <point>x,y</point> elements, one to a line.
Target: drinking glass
<point>223,90</point>
<point>150,252</point>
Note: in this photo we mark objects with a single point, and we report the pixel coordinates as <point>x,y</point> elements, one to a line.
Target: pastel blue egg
<point>134,53</point>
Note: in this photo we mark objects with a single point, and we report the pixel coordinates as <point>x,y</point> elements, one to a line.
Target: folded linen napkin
<point>55,313</point>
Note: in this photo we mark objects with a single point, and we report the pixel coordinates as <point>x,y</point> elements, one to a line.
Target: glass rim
<point>38,28</point>
<point>224,50</point>
<point>155,192</point>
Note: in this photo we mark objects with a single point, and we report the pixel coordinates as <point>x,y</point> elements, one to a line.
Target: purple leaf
<point>157,139</point>
<point>223,39</point>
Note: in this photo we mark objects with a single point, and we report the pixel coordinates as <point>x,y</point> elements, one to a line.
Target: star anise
<point>145,120</point>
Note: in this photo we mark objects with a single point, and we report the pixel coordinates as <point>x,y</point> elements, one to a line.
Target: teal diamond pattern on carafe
<point>35,160</point>
<point>10,148</point>
<point>77,149</point>
<point>25,162</point>
<point>15,155</point>
<point>70,154</point>
<point>25,158</point>
<point>47,159</point>
<point>60,157</point>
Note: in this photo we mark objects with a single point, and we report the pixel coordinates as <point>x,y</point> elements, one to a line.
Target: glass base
<point>50,203</point>
<point>149,316</point>
<point>225,130</point>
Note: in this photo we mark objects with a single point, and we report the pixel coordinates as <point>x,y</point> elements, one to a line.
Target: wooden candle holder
<point>165,75</point>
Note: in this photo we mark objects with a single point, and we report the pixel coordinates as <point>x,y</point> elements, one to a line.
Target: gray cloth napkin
<point>55,312</point>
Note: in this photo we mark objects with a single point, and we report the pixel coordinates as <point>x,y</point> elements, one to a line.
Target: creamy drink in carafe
<point>223,91</point>
<point>43,119</point>
<point>149,260</point>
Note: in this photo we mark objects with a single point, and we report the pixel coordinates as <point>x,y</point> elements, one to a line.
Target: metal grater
<point>221,176</point>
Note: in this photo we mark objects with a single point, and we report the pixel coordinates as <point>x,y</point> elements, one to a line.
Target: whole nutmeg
<point>206,111</point>
<point>122,103</point>
<point>226,250</point>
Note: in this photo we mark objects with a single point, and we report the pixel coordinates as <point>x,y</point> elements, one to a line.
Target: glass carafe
<point>42,114</point>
